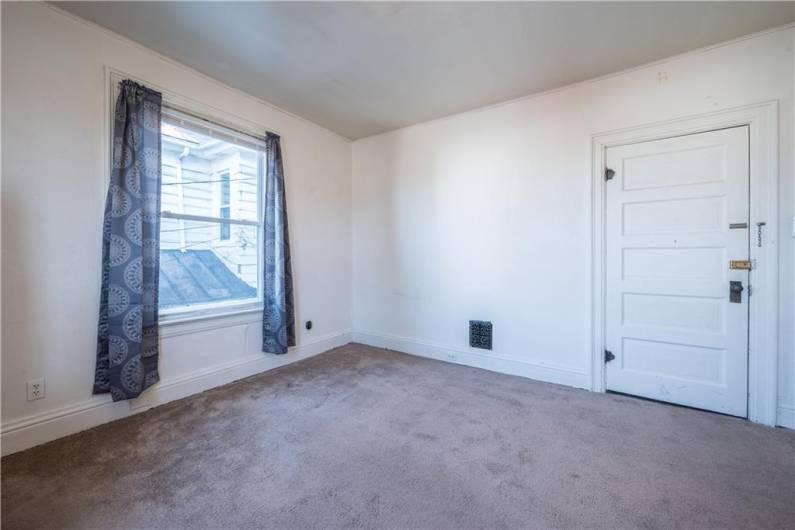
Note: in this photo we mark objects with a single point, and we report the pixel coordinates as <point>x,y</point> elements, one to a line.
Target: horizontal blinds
<point>201,126</point>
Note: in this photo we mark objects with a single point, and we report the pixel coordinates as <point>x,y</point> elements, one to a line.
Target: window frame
<point>229,307</point>
<point>225,212</point>
<point>191,318</point>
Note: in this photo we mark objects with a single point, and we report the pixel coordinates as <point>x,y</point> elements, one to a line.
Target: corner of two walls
<point>486,214</point>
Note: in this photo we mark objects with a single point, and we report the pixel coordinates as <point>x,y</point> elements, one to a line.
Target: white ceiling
<point>364,68</point>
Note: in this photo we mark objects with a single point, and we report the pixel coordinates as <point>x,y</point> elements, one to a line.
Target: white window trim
<point>185,325</point>
<point>192,318</point>
<point>209,311</point>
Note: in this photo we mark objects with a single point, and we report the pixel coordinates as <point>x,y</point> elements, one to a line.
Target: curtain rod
<point>210,124</point>
<point>169,97</point>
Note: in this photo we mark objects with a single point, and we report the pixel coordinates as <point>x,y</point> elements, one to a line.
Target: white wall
<point>480,215</point>
<point>53,113</point>
<point>486,215</point>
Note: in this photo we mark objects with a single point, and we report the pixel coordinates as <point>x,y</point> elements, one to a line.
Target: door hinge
<point>609,173</point>
<point>609,356</point>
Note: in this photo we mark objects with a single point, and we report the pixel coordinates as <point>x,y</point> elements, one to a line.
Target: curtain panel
<point>278,320</point>
<point>128,341</point>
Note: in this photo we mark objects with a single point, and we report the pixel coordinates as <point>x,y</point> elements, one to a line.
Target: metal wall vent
<point>480,334</point>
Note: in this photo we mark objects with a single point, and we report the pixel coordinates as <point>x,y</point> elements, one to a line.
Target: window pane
<point>208,172</point>
<point>208,176</point>
<point>198,266</point>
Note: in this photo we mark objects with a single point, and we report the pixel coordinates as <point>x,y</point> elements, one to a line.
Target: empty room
<point>397,265</point>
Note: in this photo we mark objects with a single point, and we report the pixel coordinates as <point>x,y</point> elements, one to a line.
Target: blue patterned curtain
<point>278,319</point>
<point>127,345</point>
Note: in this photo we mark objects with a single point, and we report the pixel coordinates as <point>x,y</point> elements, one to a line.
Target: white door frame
<point>762,120</point>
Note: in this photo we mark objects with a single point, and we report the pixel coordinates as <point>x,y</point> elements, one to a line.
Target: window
<point>211,217</point>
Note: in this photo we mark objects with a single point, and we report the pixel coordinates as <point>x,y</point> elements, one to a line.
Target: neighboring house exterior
<point>208,177</point>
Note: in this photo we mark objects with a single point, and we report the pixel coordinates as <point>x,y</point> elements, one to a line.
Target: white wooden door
<point>670,324</point>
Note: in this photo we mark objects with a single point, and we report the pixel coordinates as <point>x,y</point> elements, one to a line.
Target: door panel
<point>669,322</point>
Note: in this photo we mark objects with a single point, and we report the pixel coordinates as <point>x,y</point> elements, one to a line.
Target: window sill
<point>186,322</point>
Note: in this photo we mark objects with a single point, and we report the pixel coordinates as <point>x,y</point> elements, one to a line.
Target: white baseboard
<point>541,371</point>
<point>37,429</point>
<point>786,417</point>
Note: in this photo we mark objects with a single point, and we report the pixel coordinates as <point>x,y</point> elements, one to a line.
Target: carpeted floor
<point>361,437</point>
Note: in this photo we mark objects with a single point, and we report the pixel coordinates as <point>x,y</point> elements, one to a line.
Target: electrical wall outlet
<point>36,389</point>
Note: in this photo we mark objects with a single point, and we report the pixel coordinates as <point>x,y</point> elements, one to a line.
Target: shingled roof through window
<point>192,277</point>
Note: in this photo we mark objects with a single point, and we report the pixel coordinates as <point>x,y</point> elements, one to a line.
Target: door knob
<point>736,292</point>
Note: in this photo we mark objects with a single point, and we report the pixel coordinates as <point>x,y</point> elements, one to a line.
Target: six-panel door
<point>675,334</point>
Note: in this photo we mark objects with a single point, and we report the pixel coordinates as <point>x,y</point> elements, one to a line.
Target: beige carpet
<point>361,437</point>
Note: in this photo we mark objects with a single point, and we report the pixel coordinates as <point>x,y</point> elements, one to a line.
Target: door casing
<point>762,121</point>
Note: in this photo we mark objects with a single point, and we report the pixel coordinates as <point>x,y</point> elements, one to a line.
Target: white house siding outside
<point>195,170</point>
